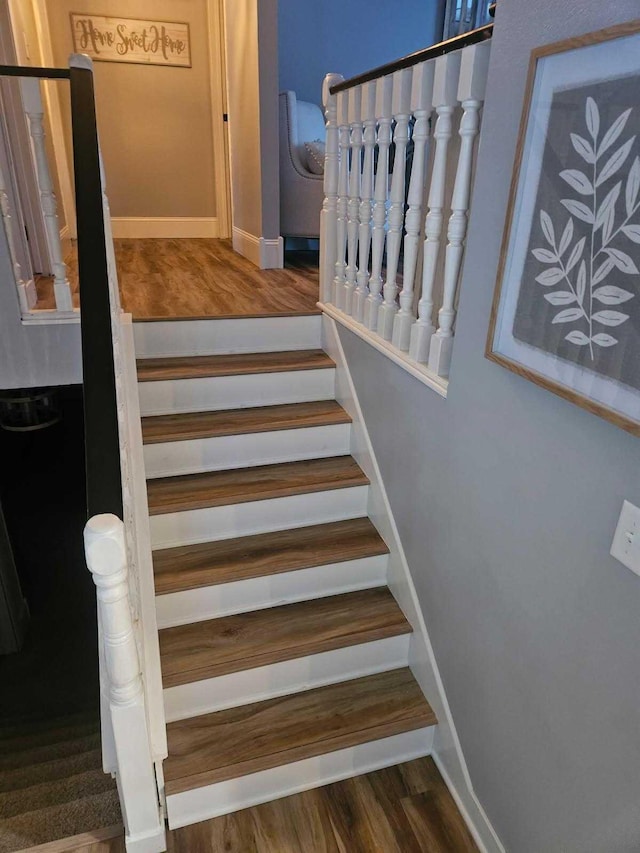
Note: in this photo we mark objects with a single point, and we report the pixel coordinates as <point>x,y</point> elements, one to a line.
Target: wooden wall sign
<point>131,40</point>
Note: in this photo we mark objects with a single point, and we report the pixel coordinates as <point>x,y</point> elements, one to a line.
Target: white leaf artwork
<point>582,266</point>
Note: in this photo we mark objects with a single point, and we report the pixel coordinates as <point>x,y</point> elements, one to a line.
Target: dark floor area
<point>42,490</point>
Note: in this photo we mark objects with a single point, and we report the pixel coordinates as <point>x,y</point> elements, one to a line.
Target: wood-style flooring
<point>165,278</point>
<point>237,741</point>
<point>195,425</point>
<point>235,364</point>
<point>209,563</point>
<point>261,482</point>
<point>402,809</point>
<point>227,644</point>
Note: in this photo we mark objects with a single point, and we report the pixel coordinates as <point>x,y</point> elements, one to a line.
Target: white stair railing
<point>34,111</point>
<point>386,272</point>
<point>26,287</point>
<point>106,554</point>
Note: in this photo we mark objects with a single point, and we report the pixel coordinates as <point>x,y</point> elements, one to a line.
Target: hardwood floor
<point>239,485</point>
<point>195,425</point>
<point>215,647</point>
<point>236,364</point>
<point>161,279</point>
<point>246,739</point>
<point>222,561</point>
<point>402,809</point>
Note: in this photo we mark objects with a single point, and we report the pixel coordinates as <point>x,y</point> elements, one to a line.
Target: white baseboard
<point>265,254</point>
<point>141,227</point>
<point>446,750</point>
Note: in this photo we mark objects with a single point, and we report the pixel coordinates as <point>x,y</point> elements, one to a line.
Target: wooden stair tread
<point>245,640</point>
<point>239,485</point>
<point>237,741</point>
<point>210,563</point>
<point>235,364</point>
<point>194,425</point>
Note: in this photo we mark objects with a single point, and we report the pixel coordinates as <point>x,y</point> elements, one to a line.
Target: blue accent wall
<point>349,37</point>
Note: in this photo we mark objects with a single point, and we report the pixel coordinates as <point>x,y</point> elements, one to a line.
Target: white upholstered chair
<point>301,191</point>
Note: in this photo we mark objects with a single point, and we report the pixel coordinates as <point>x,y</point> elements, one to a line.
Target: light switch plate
<point>626,540</point>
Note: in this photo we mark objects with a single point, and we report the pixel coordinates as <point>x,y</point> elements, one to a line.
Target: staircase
<point>284,654</point>
<point>51,782</point>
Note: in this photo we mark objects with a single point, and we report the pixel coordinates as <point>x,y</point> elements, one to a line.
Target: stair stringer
<point>136,512</point>
<point>446,749</point>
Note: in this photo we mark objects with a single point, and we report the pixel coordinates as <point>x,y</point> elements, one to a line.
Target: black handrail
<point>102,445</point>
<point>472,37</point>
<point>29,71</point>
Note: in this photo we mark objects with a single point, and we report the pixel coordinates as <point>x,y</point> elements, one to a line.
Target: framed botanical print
<point>566,311</point>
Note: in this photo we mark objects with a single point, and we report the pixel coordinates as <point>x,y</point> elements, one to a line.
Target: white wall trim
<point>265,254</point>
<point>217,68</point>
<point>141,227</point>
<point>402,359</point>
<point>447,750</point>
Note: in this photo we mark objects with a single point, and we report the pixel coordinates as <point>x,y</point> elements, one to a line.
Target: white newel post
<point>473,77</point>
<point>27,295</point>
<point>384,115</point>
<point>353,208</point>
<point>30,88</point>
<point>329,214</point>
<point>421,97</point>
<point>368,112</point>
<point>344,142</point>
<point>400,106</point>
<point>445,89</point>
<point>106,558</point>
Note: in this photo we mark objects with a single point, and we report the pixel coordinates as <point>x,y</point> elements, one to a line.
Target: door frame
<point>219,126</point>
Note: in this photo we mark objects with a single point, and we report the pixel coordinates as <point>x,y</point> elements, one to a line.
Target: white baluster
<point>421,98</point>
<point>445,88</point>
<point>401,111</point>
<point>27,295</point>
<point>353,207</point>
<point>329,214</point>
<point>384,92</point>
<point>343,200</point>
<point>368,106</point>
<point>106,558</point>
<point>30,88</point>
<point>473,80</point>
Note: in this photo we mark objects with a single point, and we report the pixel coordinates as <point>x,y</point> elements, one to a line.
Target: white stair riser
<point>243,451</point>
<point>285,677</point>
<point>216,393</point>
<point>220,337</point>
<point>243,596</point>
<point>244,519</point>
<point>235,794</point>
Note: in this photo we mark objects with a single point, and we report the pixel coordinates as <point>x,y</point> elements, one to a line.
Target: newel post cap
<point>331,79</point>
<point>104,544</point>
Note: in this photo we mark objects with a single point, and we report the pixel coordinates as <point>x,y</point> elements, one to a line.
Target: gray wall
<point>349,37</point>
<point>507,498</point>
<point>33,355</point>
